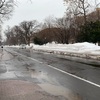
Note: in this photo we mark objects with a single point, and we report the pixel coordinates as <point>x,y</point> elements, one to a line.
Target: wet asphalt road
<point>37,70</point>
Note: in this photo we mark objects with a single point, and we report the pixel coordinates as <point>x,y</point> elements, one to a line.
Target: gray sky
<point>37,10</point>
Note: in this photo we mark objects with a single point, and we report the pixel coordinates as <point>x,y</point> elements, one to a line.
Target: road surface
<point>67,77</point>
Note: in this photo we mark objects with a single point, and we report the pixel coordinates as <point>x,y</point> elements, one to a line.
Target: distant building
<point>95,15</point>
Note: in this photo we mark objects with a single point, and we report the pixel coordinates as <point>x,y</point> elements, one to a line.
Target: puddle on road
<point>35,74</point>
<point>41,76</point>
<point>51,87</point>
<point>60,91</point>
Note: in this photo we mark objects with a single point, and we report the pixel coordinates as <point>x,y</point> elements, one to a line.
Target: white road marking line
<point>97,85</point>
<point>92,83</point>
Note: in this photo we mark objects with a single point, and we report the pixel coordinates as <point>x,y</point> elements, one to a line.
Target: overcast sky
<point>37,10</point>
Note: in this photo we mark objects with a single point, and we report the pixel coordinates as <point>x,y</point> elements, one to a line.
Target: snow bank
<point>77,47</point>
<point>85,49</point>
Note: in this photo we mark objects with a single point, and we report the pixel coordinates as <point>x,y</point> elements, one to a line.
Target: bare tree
<point>81,7</point>
<point>9,36</point>
<point>29,28</point>
<point>18,33</point>
<point>49,22</point>
<point>6,9</point>
<point>22,33</point>
<point>97,3</point>
<point>14,36</point>
<point>63,26</point>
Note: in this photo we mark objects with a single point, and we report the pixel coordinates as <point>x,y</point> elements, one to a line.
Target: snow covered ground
<point>87,50</point>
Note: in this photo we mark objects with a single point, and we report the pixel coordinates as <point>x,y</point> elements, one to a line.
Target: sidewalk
<point>23,90</point>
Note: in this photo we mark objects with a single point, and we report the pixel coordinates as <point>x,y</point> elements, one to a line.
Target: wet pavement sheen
<point>14,67</point>
<point>18,81</point>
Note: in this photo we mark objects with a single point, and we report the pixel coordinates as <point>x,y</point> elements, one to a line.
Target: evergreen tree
<point>90,32</point>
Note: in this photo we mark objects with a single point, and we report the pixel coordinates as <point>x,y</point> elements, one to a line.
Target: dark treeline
<point>79,24</point>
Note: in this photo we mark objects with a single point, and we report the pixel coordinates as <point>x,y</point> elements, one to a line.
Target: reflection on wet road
<point>15,66</point>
